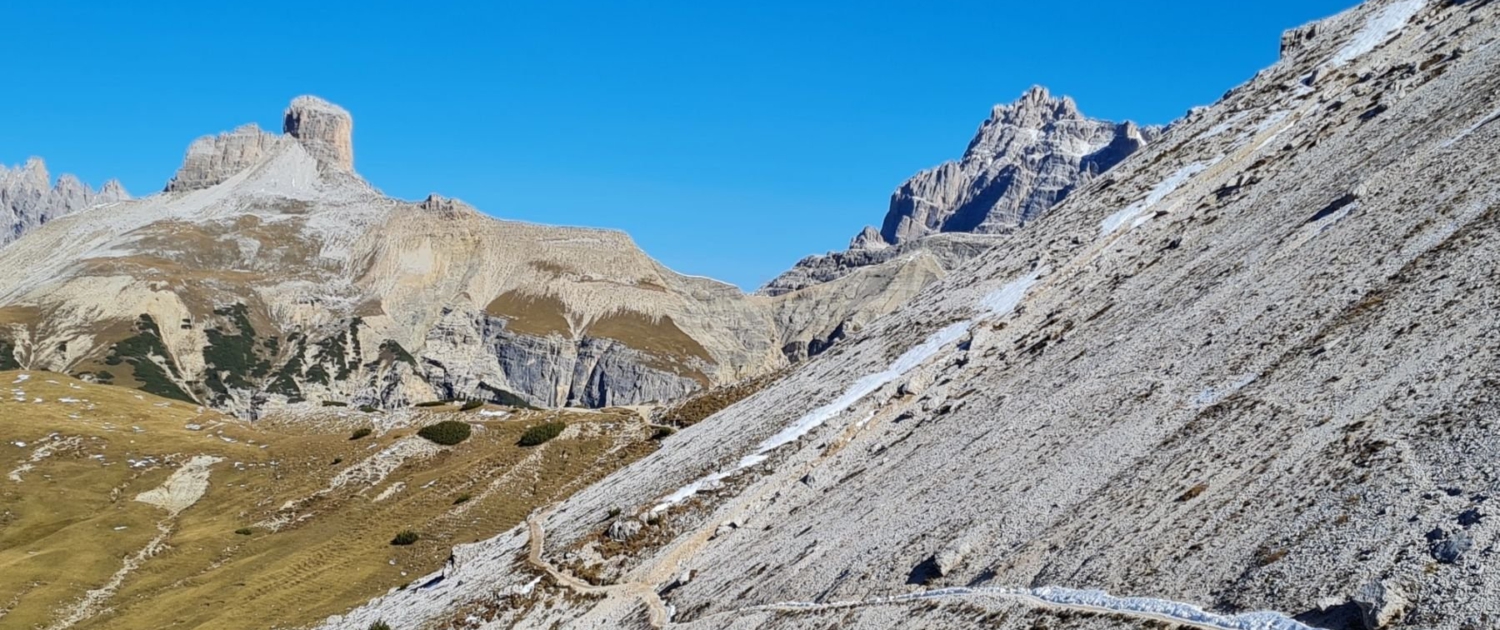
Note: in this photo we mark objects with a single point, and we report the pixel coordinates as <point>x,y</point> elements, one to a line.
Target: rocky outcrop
<point>475,356</point>
<point>324,129</point>
<point>211,160</point>
<point>29,199</point>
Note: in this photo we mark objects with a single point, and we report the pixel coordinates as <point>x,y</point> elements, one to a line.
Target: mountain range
<point>1241,372</point>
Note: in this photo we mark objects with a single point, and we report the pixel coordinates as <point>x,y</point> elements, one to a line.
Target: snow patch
<point>999,302</point>
<point>1378,28</point>
<point>1132,214</point>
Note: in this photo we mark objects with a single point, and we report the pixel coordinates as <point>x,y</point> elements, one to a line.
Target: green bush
<point>472,405</point>
<point>462,499</point>
<point>334,403</point>
<point>431,403</point>
<point>447,432</point>
<point>662,433</point>
<point>380,625</point>
<point>542,433</point>
<point>368,409</point>
<point>244,531</point>
<point>406,538</point>
<point>362,432</point>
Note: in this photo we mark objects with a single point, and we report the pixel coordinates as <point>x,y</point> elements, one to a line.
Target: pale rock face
<point>325,129</point>
<point>211,160</point>
<point>29,199</point>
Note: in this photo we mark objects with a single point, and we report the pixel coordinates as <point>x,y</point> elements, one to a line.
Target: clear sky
<point>729,138</point>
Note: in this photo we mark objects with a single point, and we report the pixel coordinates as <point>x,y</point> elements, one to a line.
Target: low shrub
<point>244,531</point>
<point>431,403</point>
<point>462,499</point>
<point>334,403</point>
<point>380,625</point>
<point>361,433</point>
<point>542,433</point>
<point>472,405</point>
<point>368,409</point>
<point>447,432</point>
<point>406,538</point>
<point>662,433</point>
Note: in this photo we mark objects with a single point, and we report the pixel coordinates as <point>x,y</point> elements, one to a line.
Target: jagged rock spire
<point>28,198</point>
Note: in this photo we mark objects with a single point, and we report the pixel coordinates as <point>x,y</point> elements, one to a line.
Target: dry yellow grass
<point>72,522</point>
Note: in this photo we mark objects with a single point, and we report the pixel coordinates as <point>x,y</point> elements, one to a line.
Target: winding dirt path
<point>646,593</point>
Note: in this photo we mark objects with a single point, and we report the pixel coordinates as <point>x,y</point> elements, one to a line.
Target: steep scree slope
<point>1253,368</point>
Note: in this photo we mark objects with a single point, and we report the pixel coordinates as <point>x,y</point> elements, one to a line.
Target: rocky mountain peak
<point>1035,109</point>
<point>28,197</point>
<point>869,238</point>
<point>1025,158</point>
<point>324,129</point>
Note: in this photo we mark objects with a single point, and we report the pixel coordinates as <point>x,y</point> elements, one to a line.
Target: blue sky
<point>729,138</point>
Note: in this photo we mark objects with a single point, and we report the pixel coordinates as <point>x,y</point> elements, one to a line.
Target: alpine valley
<point>1239,372</point>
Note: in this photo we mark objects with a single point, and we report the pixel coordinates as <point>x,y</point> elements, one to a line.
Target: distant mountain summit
<point>28,198</point>
<point>1028,156</point>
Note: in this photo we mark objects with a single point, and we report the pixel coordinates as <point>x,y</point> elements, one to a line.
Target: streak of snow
<point>1133,211</point>
<point>1222,127</point>
<point>1005,299</point>
<point>998,302</point>
<point>1378,28</point>
<point>21,378</point>
<point>1495,115</point>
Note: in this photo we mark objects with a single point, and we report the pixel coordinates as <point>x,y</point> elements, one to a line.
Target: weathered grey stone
<point>1383,604</point>
<point>624,529</point>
